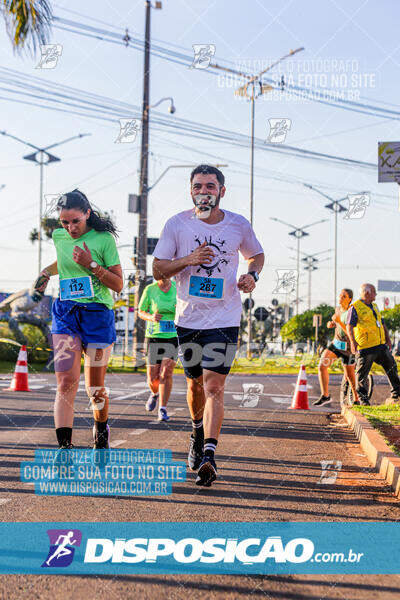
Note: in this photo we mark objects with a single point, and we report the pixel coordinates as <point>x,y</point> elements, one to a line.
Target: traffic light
<point>248,304</point>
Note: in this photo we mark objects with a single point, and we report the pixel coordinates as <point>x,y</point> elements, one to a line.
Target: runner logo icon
<point>61,551</point>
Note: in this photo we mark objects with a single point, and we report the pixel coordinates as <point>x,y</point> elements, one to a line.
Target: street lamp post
<point>42,157</point>
<point>298,233</point>
<point>311,261</point>
<point>336,207</point>
<point>253,82</point>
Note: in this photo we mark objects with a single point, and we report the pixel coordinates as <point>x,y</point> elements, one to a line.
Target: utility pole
<point>298,233</point>
<point>141,259</point>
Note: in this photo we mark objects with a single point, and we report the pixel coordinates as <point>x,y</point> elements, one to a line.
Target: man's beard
<point>202,209</point>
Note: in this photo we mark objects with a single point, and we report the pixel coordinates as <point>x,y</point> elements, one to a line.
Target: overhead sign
<point>388,162</point>
<point>386,285</point>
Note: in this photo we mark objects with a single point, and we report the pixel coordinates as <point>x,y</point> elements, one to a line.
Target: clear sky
<point>356,40</point>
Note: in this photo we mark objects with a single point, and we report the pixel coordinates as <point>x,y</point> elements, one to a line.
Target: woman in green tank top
<point>338,348</point>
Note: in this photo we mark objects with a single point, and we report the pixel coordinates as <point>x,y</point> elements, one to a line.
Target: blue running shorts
<point>93,323</point>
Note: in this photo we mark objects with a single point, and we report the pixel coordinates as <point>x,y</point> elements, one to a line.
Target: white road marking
<point>310,387</point>
<point>137,431</point>
<point>126,396</point>
<point>116,443</point>
<point>180,408</point>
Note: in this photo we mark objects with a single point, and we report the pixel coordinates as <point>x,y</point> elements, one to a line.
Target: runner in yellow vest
<point>370,341</point>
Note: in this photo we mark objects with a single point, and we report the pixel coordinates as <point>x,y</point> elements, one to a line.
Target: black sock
<point>64,436</point>
<point>101,433</point>
<point>197,429</point>
<point>209,447</point>
<point>100,426</point>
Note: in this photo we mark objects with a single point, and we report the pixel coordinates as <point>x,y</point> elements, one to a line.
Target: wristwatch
<point>93,265</point>
<point>254,275</point>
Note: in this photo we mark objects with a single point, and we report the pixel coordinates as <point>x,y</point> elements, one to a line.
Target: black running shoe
<point>196,453</point>
<point>364,402</point>
<point>207,472</point>
<point>322,400</point>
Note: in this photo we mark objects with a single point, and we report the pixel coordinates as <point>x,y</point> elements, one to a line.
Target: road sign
<point>133,203</point>
<point>388,161</point>
<point>151,244</point>
<point>386,285</point>
<point>248,303</point>
<point>317,320</point>
<point>261,313</point>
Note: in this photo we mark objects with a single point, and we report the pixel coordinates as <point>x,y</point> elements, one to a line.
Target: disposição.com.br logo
<point>62,547</point>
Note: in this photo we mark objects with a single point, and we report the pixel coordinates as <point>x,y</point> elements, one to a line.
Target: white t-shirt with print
<point>182,234</point>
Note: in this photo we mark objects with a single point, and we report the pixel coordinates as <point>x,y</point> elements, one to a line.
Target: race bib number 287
<point>206,287</point>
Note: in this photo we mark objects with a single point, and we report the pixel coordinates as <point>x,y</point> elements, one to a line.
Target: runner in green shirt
<point>157,307</point>
<point>83,319</point>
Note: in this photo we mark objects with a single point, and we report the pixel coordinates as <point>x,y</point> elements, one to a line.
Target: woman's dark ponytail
<point>78,200</point>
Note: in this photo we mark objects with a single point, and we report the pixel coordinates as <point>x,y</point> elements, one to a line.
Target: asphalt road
<point>269,461</point>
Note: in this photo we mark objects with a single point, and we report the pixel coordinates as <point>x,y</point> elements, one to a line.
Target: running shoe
<point>364,402</point>
<point>162,414</point>
<point>207,472</point>
<point>322,400</point>
<point>151,402</point>
<point>196,453</point>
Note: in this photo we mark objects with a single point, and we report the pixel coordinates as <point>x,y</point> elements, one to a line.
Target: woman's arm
<point>111,277</point>
<point>146,316</point>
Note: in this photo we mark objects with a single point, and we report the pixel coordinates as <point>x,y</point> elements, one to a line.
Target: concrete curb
<point>383,459</point>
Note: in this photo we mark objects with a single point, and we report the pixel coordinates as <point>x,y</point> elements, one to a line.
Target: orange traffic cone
<point>300,396</point>
<point>19,382</point>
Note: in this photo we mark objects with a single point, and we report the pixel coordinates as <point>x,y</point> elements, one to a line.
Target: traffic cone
<point>19,382</point>
<point>300,396</point>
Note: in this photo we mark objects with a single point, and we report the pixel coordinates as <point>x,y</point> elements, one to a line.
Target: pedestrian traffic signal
<point>248,304</point>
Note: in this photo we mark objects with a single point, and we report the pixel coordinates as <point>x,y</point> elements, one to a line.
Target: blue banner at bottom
<point>196,548</point>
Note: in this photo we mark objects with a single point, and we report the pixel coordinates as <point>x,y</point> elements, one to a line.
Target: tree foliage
<point>392,318</point>
<point>300,327</point>
<point>28,22</point>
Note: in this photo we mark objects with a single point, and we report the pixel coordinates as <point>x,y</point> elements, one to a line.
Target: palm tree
<point>28,22</point>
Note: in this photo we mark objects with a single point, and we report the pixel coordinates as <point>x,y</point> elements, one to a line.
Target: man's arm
<point>168,268</point>
<point>246,282</point>
<point>387,336</point>
<point>350,333</point>
<point>256,263</point>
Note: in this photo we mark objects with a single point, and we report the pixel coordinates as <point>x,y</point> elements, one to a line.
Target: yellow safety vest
<point>367,331</point>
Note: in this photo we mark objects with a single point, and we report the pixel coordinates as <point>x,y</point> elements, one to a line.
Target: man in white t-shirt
<point>200,247</point>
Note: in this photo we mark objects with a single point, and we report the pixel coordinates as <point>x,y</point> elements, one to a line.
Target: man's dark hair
<point>208,170</point>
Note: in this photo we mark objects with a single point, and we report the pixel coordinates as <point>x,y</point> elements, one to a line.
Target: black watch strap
<point>254,274</point>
